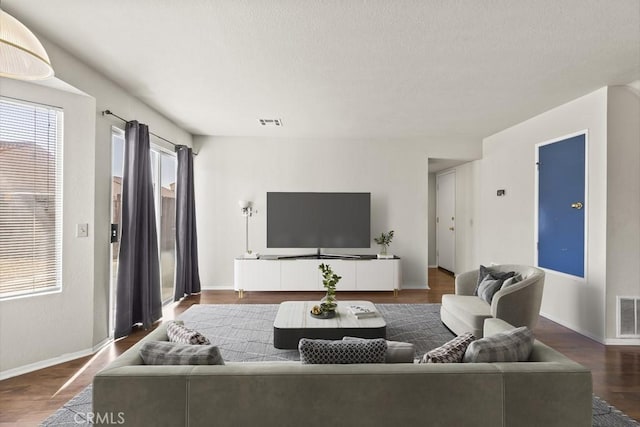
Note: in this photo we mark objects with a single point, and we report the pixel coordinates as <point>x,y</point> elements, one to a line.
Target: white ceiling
<point>347,68</point>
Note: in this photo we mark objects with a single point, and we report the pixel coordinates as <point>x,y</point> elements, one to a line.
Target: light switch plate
<point>82,230</point>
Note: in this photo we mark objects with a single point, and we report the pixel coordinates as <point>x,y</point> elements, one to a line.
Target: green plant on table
<point>329,280</point>
<point>384,241</point>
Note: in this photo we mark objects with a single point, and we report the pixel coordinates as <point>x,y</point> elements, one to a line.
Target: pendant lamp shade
<point>21,53</point>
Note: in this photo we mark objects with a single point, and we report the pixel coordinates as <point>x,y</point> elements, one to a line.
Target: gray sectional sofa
<point>548,390</point>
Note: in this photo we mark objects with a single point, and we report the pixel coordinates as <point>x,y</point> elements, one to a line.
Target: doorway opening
<point>446,220</point>
<point>452,184</point>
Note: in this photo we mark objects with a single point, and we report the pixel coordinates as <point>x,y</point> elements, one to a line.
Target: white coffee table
<point>294,321</point>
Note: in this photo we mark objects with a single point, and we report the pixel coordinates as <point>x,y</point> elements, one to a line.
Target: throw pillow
<point>342,352</point>
<point>484,272</point>
<point>512,281</point>
<point>488,287</point>
<point>510,346</point>
<point>450,352</point>
<point>177,332</point>
<point>171,353</point>
<point>397,351</point>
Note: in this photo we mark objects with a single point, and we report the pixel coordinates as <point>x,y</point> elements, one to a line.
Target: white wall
<point>507,223</point>
<point>623,199</point>
<point>228,169</point>
<point>42,327</point>
<point>65,325</point>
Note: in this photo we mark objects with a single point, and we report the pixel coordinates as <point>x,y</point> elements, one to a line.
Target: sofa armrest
<point>519,304</point>
<point>466,282</point>
<point>131,357</point>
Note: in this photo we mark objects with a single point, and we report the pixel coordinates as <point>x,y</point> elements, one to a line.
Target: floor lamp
<point>247,211</point>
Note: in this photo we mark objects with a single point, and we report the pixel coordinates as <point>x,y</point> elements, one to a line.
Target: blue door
<point>561,205</point>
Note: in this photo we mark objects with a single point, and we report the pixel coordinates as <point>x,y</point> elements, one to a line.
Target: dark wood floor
<point>28,399</point>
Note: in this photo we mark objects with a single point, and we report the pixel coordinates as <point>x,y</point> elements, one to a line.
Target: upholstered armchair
<point>517,304</point>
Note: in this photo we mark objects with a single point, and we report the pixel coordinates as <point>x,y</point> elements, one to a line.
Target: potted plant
<point>329,280</point>
<point>384,241</point>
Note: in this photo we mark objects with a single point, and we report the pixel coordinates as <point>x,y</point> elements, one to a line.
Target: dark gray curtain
<point>138,297</point>
<point>187,274</point>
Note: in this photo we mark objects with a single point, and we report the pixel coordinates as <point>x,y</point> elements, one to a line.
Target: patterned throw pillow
<point>178,333</point>
<point>342,352</point>
<point>171,353</point>
<point>397,351</point>
<point>510,346</point>
<point>450,352</point>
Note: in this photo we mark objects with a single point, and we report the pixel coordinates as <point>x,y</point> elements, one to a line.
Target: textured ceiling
<point>346,68</point>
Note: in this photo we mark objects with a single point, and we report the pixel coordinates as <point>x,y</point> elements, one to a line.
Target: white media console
<point>303,274</point>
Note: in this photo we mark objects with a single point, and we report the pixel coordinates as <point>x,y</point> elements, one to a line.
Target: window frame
<point>59,216</point>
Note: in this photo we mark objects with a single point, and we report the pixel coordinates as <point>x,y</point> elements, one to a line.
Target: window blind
<point>30,198</point>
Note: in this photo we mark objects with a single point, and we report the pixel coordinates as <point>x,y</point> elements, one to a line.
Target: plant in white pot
<point>329,280</point>
<point>384,241</point>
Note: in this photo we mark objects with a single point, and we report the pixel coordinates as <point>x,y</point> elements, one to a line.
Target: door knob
<point>451,228</point>
<point>577,205</point>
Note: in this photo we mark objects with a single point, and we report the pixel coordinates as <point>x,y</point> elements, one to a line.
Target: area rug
<point>244,333</point>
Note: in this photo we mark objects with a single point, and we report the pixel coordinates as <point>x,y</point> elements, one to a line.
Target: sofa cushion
<point>509,346</point>
<point>397,351</point>
<point>171,353</point>
<point>342,352</point>
<point>178,333</point>
<point>450,352</point>
<point>469,309</point>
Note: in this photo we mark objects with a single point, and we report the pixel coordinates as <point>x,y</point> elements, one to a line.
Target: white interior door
<point>445,220</point>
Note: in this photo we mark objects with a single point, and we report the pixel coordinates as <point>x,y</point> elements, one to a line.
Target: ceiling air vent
<point>270,122</point>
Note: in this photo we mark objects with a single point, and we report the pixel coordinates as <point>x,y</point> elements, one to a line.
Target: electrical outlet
<point>82,230</point>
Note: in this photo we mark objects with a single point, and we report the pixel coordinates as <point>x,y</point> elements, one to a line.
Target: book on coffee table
<point>361,312</point>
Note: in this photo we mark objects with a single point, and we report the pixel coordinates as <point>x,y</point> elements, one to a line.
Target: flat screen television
<point>318,220</point>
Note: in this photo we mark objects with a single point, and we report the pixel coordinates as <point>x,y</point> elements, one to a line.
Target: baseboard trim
<point>217,288</point>
<point>622,341</point>
<point>572,327</point>
<point>21,370</point>
<point>102,344</point>
<point>433,266</point>
<point>412,286</point>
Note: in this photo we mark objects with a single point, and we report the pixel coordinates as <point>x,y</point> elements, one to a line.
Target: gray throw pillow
<point>493,274</point>
<point>488,287</point>
<point>510,346</point>
<point>178,333</point>
<point>397,351</point>
<point>171,353</point>
<point>450,352</point>
<point>512,281</point>
<point>342,352</point>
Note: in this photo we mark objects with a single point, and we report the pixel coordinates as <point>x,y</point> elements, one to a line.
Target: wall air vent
<point>271,122</point>
<point>628,312</point>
